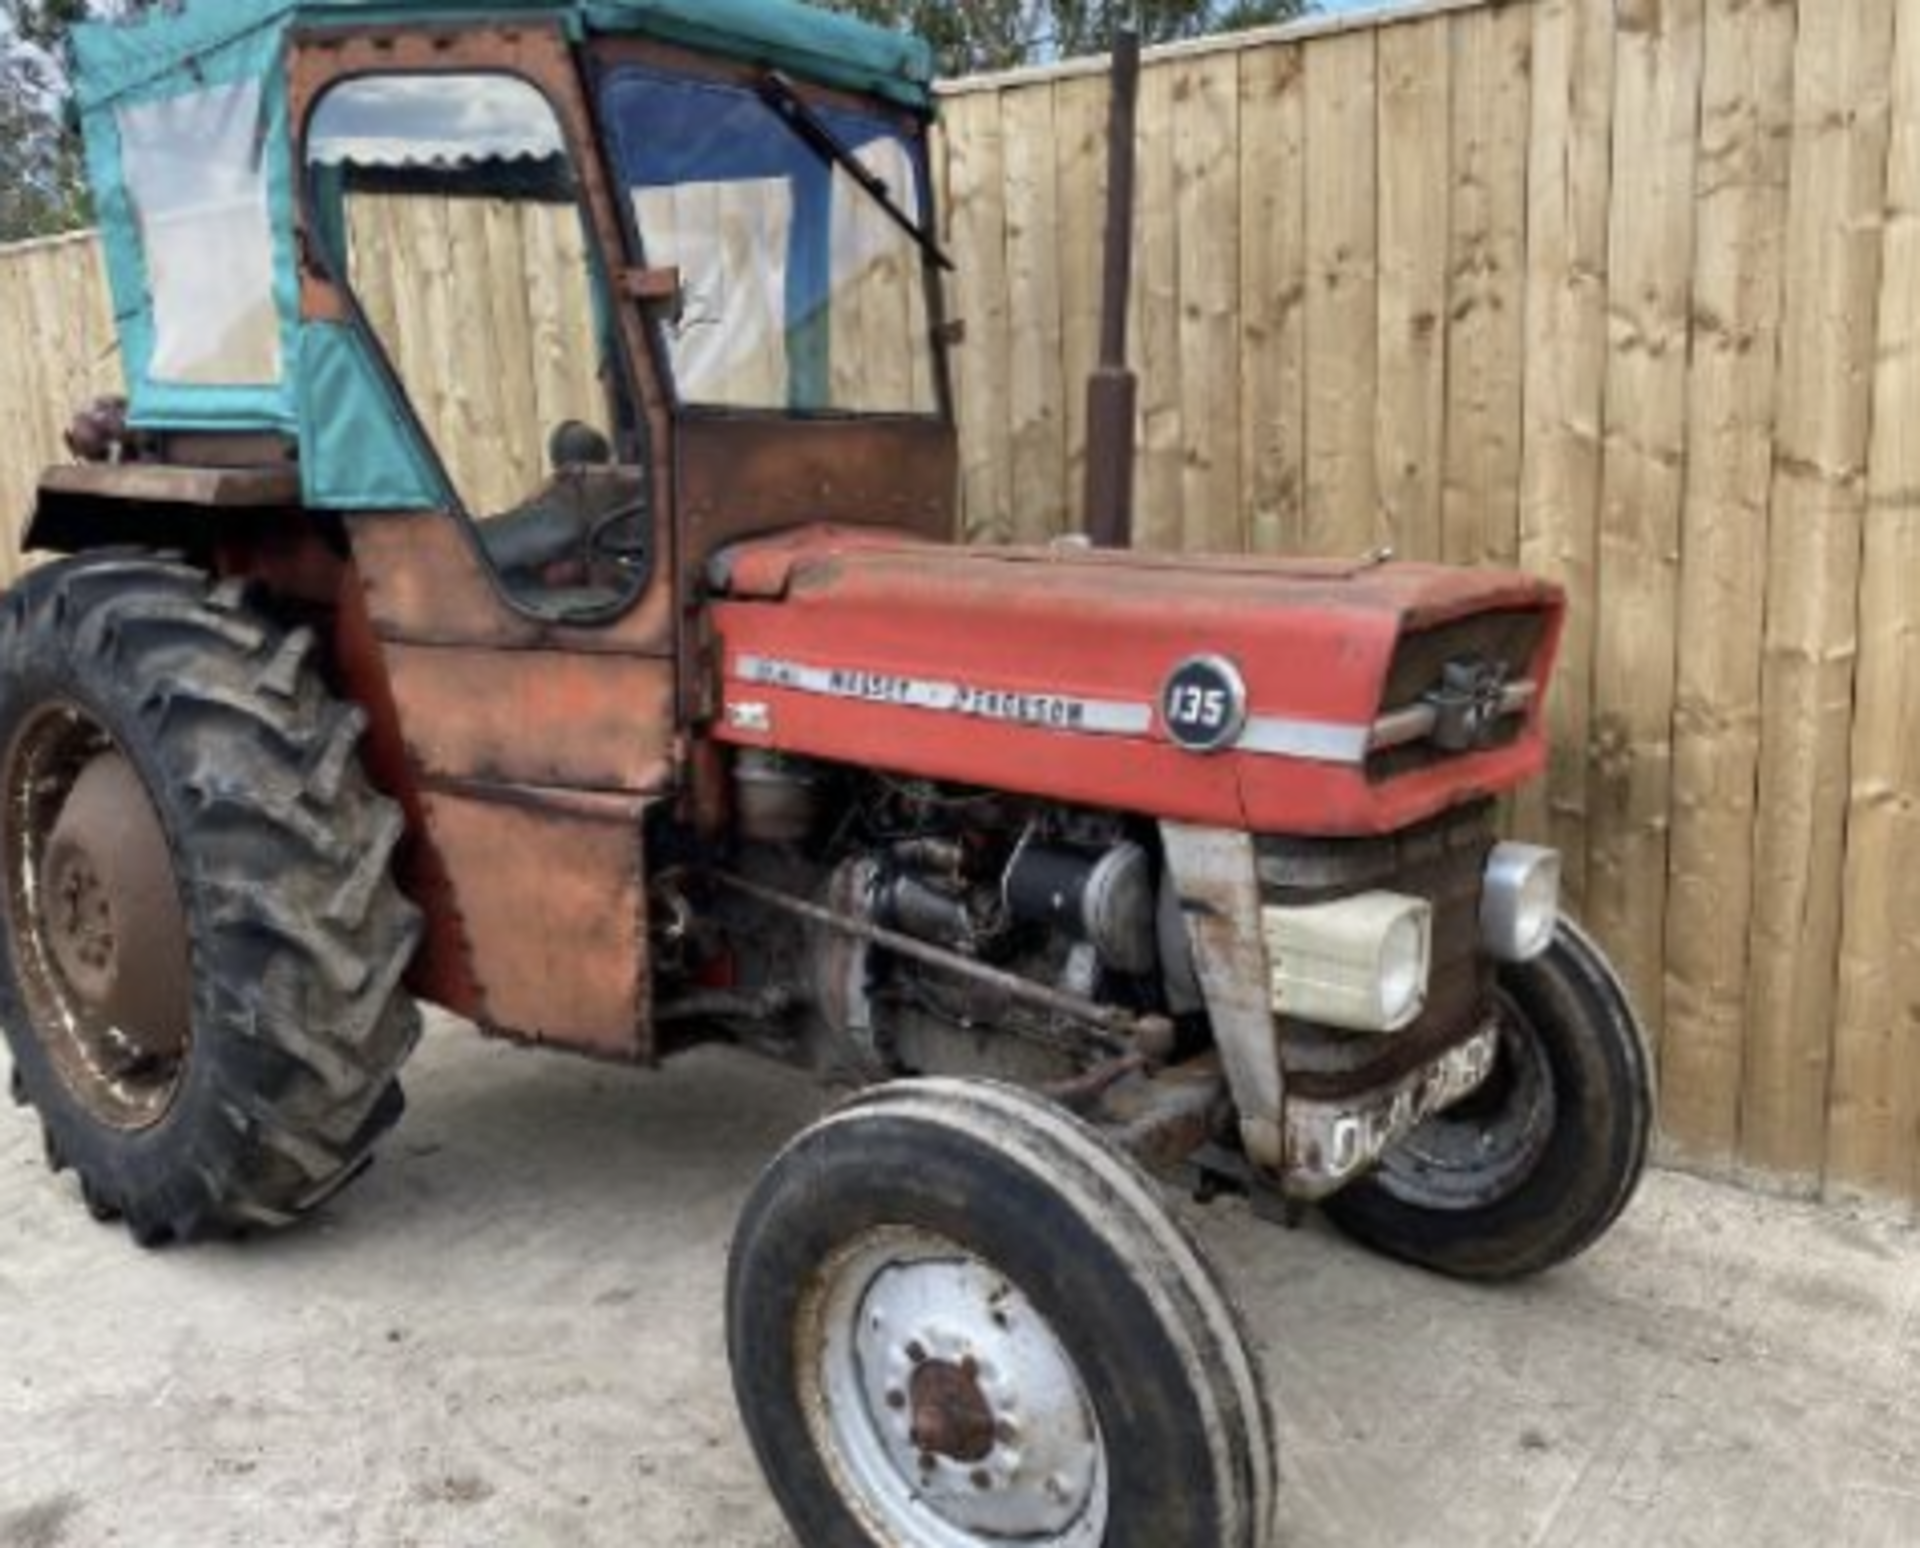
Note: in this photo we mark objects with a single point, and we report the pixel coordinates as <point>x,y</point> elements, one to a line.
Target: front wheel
<point>958,1319</point>
<point>1536,1166</point>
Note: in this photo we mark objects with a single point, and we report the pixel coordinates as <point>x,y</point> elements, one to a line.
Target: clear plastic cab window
<point>195,170</point>
<point>802,292</point>
<point>451,206</point>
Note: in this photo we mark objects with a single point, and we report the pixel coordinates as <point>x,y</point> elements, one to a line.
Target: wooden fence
<point>1624,291</point>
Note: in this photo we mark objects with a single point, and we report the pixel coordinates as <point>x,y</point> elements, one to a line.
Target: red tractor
<point>521,579</point>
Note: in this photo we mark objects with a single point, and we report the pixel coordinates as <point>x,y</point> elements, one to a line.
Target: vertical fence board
<point>16,386</point>
<point>973,166</point>
<point>508,285</point>
<point>1746,127</point>
<point>1416,104</point>
<point>1874,1132</point>
<point>1273,285</point>
<point>1081,111</point>
<point>1656,124</point>
<point>1156,331</point>
<point>1039,424</point>
<point>1569,196</point>
<point>47,337</point>
<point>1842,77</point>
<point>1342,515</point>
<point>1207,169</point>
<point>1486,372</point>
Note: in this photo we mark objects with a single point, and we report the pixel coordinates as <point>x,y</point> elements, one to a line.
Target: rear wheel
<point>1534,1168</point>
<point>959,1319</point>
<point>202,953</point>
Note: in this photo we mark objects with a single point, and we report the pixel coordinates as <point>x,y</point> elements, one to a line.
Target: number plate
<point>1204,704</point>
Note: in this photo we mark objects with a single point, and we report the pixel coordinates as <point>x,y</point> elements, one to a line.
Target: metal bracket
<point>1218,882</point>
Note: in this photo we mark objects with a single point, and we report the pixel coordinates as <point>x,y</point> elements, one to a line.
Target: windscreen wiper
<point>793,110</point>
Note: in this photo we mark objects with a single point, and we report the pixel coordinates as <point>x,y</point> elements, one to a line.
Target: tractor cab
<point>611,284</point>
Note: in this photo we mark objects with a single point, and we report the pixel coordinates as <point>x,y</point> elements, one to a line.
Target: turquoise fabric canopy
<point>359,449</point>
<point>117,59</point>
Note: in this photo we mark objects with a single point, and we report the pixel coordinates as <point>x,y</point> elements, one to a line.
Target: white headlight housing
<point>1360,964</point>
<point>1520,903</point>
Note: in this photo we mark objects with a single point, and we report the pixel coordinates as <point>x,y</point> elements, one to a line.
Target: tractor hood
<point>1265,695</point>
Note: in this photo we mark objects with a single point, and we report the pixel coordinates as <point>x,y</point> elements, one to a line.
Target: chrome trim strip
<point>1310,741</point>
<point>1265,736</point>
<point>1042,711</point>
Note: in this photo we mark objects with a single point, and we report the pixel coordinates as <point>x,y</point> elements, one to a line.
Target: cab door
<point>511,626</point>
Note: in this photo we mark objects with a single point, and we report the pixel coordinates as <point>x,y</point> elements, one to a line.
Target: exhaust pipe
<point>1113,393</point>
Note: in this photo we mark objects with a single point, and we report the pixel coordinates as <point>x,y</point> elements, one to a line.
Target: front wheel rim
<point>944,1404</point>
<point>1484,1149</point>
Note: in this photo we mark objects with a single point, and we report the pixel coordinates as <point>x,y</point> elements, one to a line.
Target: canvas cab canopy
<point>186,118</point>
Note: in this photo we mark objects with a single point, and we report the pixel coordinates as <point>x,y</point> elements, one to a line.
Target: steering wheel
<point>603,542</point>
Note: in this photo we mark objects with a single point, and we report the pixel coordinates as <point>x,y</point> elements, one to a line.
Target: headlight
<point>1520,905</point>
<point>1360,964</point>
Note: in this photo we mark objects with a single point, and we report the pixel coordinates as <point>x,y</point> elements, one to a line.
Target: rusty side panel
<point>552,895</point>
<point>426,585</point>
<point>530,754</point>
<point>745,477</point>
<point>542,718</point>
<point>443,971</point>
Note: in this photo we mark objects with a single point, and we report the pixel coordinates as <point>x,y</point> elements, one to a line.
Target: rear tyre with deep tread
<point>281,853</point>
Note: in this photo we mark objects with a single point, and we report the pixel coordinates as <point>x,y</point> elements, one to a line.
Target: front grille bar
<point>1420,722</point>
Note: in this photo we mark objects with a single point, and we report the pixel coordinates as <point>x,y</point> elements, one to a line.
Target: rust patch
<point>745,477</point>
<point>541,718</point>
<point>951,1415</point>
<point>443,968</point>
<point>427,585</point>
<point>552,895</point>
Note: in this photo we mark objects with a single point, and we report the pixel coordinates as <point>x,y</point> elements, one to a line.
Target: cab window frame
<point>623,380</point>
<point>607,56</point>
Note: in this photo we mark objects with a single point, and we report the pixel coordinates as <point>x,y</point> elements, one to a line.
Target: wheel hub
<point>114,923</point>
<point>80,922</point>
<point>1479,1152</point>
<point>951,1415</point>
<point>95,911</point>
<point>956,1409</point>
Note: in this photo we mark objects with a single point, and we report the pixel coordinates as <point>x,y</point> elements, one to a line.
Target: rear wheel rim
<point>1484,1149</point>
<point>99,934</point>
<point>947,1408</point>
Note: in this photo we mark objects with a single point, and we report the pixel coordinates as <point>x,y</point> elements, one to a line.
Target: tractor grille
<point>1511,640</point>
<point>1444,862</point>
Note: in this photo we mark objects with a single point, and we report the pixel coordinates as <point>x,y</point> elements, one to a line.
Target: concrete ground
<point>510,1334</point>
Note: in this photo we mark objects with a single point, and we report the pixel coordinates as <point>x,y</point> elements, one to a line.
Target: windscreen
<point>801,292</point>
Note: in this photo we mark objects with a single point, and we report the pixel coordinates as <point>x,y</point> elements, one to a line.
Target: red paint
<point>1314,642</point>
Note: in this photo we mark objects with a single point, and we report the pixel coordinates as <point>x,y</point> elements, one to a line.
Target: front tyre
<point>201,943</point>
<point>1536,1166</point>
<point>958,1319</point>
